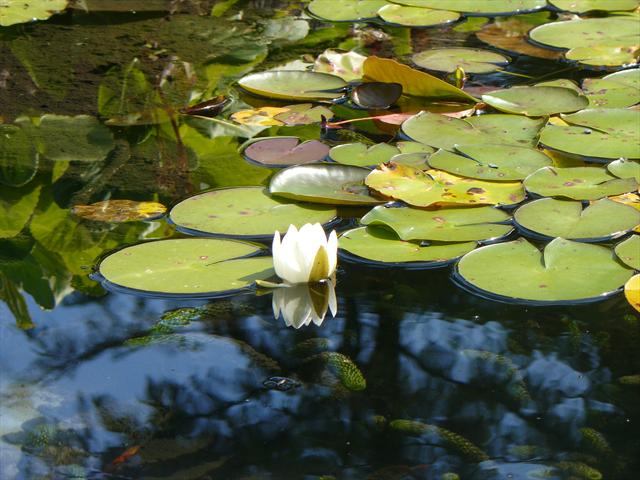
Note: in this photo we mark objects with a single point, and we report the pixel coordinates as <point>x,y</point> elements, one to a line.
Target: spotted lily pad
<point>600,221</point>
<point>629,251</point>
<point>19,159</point>
<point>617,90</point>
<point>196,266</point>
<point>345,10</point>
<point>471,60</point>
<point>481,7</point>
<point>294,85</point>
<point>323,183</point>
<point>609,41</point>
<point>362,156</point>
<point>565,272</point>
<point>451,224</point>
<point>536,101</point>
<point>244,211</point>
<point>433,187</point>
<point>376,94</point>
<point>416,16</point>
<point>120,211</point>
<point>625,169</point>
<point>23,11</point>
<point>440,131</point>
<point>583,6</point>
<point>285,151</point>
<point>381,246</point>
<point>632,291</point>
<point>490,162</point>
<point>596,134</point>
<point>578,183</point>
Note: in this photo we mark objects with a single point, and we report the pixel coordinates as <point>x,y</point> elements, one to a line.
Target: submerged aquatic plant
<point>305,255</point>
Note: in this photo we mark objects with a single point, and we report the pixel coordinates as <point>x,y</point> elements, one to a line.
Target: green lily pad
<point>345,10</point>
<point>416,16</point>
<point>244,211</point>
<point>323,183</point>
<point>415,160</point>
<point>285,151</point>
<point>565,272</point>
<point>59,137</point>
<point>617,90</point>
<point>602,220</point>
<point>536,101</point>
<point>583,6</point>
<point>481,7</point>
<point>441,131</point>
<point>625,169</point>
<point>434,187</point>
<point>192,266</point>
<point>609,41</point>
<point>294,85</point>
<point>578,183</point>
<point>358,154</point>
<point>380,246</point>
<point>596,133</point>
<point>490,162</point>
<point>19,158</point>
<point>414,147</point>
<point>629,251</point>
<point>451,224</point>
<point>22,11</point>
<point>471,60</point>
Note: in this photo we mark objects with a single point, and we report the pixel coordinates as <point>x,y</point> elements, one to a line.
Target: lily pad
<point>323,183</point>
<point>208,108</point>
<point>632,291</point>
<point>565,272</point>
<point>471,60</point>
<point>199,266</point>
<point>536,101</point>
<point>583,6</point>
<point>63,138</point>
<point>358,154</point>
<point>598,134</point>
<point>600,221</point>
<point>415,160</point>
<point>414,147</point>
<point>285,151</point>
<point>490,162</point>
<point>346,65</point>
<point>416,16</point>
<point>578,183</point>
<point>414,82</point>
<point>445,224</point>
<point>345,10</point>
<point>294,85</point>
<point>376,94</point>
<point>629,251</point>
<point>244,211</point>
<point>381,246</point>
<point>19,158</point>
<point>22,11</point>
<point>301,114</point>
<point>120,211</point>
<point>434,187</point>
<point>609,41</point>
<point>440,131</point>
<point>625,169</point>
<point>617,90</point>
<point>481,7</point>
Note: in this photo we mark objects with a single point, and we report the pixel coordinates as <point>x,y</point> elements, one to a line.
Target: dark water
<point>110,385</point>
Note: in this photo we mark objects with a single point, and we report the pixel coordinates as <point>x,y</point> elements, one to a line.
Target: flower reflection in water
<point>305,303</point>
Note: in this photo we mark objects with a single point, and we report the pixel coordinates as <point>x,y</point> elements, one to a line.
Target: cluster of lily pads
<point>523,189</point>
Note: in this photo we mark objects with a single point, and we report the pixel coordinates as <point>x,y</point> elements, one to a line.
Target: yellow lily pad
<point>632,291</point>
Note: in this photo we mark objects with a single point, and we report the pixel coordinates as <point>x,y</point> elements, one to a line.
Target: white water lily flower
<point>305,256</point>
<point>302,304</point>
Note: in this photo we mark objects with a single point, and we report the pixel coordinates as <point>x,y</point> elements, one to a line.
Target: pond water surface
<point>414,377</point>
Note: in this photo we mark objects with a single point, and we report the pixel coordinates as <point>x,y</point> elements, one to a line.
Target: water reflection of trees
<point>536,393</point>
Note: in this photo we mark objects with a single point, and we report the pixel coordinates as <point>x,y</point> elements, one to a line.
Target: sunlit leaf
<point>120,211</point>
<point>23,11</point>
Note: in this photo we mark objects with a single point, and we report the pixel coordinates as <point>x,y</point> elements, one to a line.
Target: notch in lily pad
<point>278,152</point>
<point>376,95</point>
<point>471,60</point>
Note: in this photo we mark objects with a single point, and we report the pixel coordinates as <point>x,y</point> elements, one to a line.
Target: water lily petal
<point>332,252</point>
<point>333,301</point>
